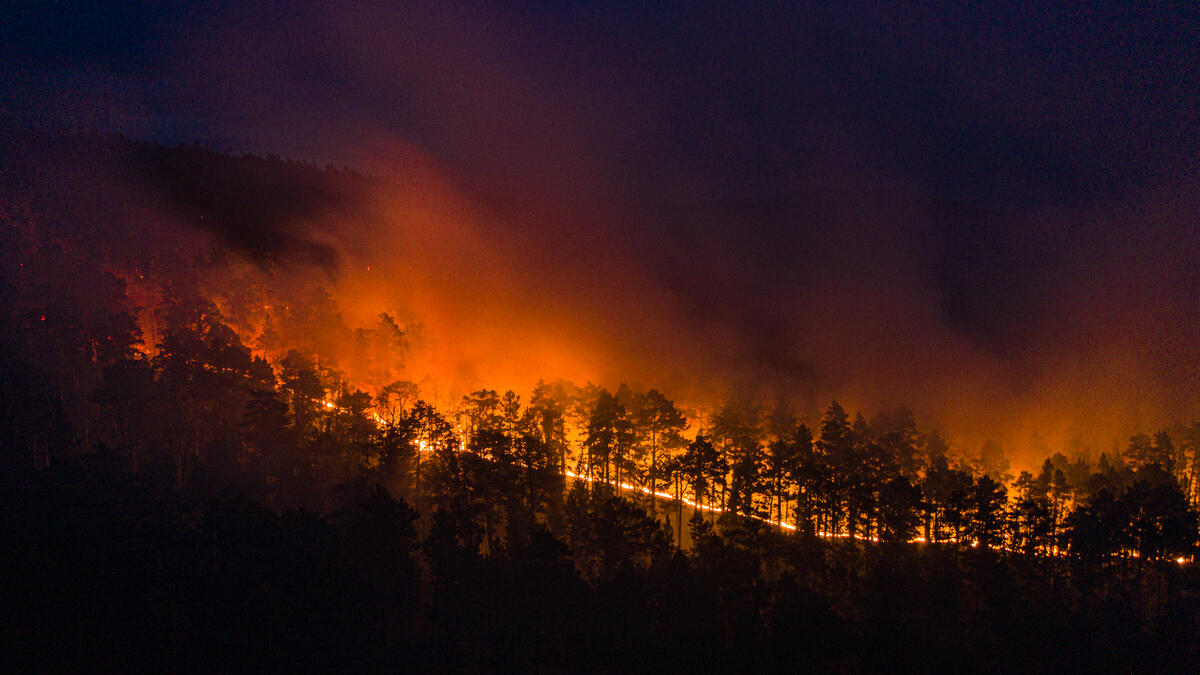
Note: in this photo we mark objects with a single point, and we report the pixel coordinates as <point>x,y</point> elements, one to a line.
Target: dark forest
<point>204,467</point>
<point>524,336</point>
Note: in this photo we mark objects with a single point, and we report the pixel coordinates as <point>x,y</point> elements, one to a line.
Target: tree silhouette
<point>809,475</point>
<point>735,434</point>
<point>658,427</point>
<point>897,434</point>
<point>437,446</point>
<point>836,448</point>
<point>987,512</point>
<point>1032,526</point>
<point>304,390</point>
<point>946,493</point>
<point>547,411</point>
<point>899,510</point>
<point>779,464</point>
<point>992,462</point>
<point>1160,522</point>
<point>609,436</point>
<point>1099,529</point>
<point>203,365</point>
<point>703,467</point>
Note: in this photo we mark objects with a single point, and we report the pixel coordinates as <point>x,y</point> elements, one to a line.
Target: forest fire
<point>999,539</point>
<point>599,337</point>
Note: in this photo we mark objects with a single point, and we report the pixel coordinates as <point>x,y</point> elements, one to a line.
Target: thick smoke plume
<point>548,204</point>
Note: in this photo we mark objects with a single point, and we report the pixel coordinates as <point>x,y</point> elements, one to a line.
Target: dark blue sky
<point>1014,103</point>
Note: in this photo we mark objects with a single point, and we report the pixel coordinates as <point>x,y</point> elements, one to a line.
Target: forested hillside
<point>204,467</point>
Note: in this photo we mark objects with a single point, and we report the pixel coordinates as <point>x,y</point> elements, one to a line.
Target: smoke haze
<point>800,204</point>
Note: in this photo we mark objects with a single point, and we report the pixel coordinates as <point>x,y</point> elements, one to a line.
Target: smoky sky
<point>1015,104</point>
<point>986,211</point>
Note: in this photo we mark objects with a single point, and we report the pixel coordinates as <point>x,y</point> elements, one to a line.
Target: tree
<point>809,475</point>
<point>992,462</point>
<point>609,435</point>
<point>538,477</point>
<point>481,411</point>
<point>379,352</point>
<point>398,453</point>
<point>735,434</point>
<point>897,435</point>
<point>354,424</point>
<point>779,466</point>
<point>673,470</point>
<point>1164,451</point>
<point>659,427</point>
<point>435,439</point>
<point>1161,524</point>
<point>582,404</point>
<point>303,389</point>
<point>1141,452</point>
<point>510,415</point>
<point>873,468</point>
<point>1051,487</point>
<point>935,448</point>
<point>626,536</point>
<point>539,480</point>
<point>1032,526</point>
<point>946,493</point>
<point>547,418</point>
<point>899,505</point>
<point>611,534</point>
<point>986,511</point>
<point>836,447</point>
<point>266,430</point>
<point>205,370</point>
<point>746,480</point>
<point>1099,529</point>
<point>1187,463</point>
<point>395,398</point>
<point>703,467</point>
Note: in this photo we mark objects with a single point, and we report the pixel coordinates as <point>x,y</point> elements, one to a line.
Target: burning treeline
<point>860,296</point>
<point>246,340</point>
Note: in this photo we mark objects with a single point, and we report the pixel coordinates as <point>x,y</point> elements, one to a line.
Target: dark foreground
<point>98,573</point>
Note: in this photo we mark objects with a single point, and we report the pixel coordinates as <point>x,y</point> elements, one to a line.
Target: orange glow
<point>555,286</point>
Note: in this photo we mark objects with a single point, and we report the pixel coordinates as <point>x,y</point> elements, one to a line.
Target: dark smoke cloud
<point>988,216</point>
<point>255,206</point>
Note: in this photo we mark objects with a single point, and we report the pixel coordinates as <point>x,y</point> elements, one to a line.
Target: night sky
<point>1010,104</point>
<point>985,212</point>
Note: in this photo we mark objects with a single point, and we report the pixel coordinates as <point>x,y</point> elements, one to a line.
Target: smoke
<point>650,198</point>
